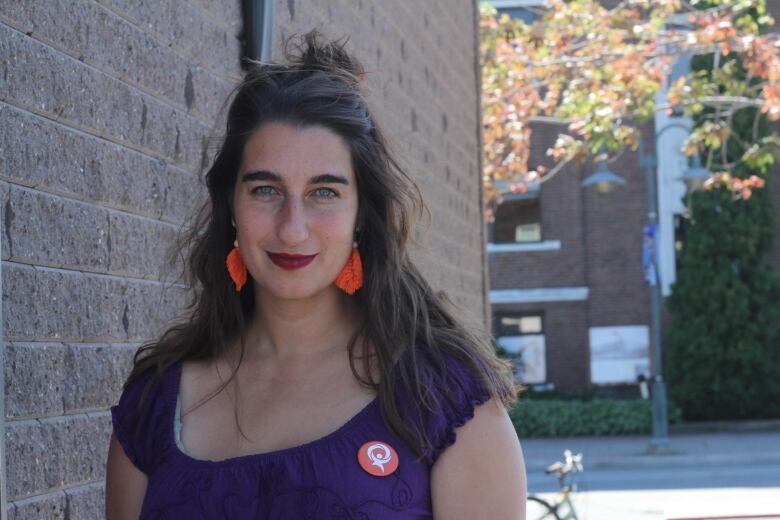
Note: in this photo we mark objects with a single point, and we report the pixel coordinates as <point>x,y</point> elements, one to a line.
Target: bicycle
<point>563,508</point>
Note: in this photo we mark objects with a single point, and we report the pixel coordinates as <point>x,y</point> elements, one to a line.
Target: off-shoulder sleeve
<point>459,395</point>
<point>451,401</point>
<point>136,428</point>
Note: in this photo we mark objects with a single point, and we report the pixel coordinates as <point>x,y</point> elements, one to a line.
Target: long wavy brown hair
<point>410,326</point>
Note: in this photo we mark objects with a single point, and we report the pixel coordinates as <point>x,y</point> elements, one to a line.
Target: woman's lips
<point>286,261</point>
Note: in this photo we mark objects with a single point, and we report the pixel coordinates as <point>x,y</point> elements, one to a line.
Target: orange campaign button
<point>378,458</point>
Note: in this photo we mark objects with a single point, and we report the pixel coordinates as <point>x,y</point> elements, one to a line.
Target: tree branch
<point>554,170</point>
<point>735,102</point>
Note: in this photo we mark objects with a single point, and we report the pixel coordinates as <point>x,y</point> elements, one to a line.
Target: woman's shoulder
<point>141,415</point>
<point>451,386</point>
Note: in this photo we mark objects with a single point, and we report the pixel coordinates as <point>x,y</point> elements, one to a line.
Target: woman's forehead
<point>291,152</point>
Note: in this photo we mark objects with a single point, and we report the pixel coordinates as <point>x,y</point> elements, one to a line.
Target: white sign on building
<point>619,354</point>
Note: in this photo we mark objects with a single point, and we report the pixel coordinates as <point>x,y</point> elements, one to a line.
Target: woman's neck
<point>290,329</point>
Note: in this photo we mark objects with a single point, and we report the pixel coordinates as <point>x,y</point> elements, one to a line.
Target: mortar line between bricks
<point>30,499</point>
<point>83,413</point>
<point>48,116</point>
<point>86,202</point>
<point>75,269</point>
<point>170,44</point>
<point>88,62</point>
<point>76,344</point>
<point>76,272</point>
<point>156,96</point>
<point>81,342</point>
<point>22,500</point>
<point>50,419</point>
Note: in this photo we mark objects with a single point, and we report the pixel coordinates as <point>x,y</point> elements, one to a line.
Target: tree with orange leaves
<point>597,71</point>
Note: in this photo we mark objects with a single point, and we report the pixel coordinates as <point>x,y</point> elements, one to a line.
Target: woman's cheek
<point>333,218</point>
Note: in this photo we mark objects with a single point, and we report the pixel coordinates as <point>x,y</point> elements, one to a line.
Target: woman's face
<point>295,194</point>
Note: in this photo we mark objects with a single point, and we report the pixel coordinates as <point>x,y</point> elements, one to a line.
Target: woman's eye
<point>326,193</point>
<point>263,191</point>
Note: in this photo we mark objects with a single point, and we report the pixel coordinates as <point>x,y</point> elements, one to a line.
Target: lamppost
<point>605,180</point>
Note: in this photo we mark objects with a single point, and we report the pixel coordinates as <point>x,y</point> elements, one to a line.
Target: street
<point>724,476</point>
<point>703,477</point>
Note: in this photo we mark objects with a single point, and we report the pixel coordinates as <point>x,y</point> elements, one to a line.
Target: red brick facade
<point>600,249</point>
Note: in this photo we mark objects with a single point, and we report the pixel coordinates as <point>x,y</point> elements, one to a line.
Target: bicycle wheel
<point>566,510</point>
<point>538,509</point>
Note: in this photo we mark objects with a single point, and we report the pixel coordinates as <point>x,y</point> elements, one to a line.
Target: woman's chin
<point>295,292</point>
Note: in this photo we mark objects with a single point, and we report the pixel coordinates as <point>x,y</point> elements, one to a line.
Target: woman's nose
<point>292,226</point>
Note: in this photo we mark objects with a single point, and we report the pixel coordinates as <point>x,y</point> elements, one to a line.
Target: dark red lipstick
<point>286,261</point>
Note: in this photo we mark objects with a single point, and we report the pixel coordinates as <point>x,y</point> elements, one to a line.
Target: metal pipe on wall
<point>258,31</point>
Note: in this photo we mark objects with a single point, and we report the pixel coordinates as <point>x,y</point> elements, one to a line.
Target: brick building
<point>567,282</point>
<point>107,108</point>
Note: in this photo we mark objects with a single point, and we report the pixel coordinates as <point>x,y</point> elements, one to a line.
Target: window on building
<point>526,10</point>
<point>521,325</point>
<point>521,336</point>
<point>518,220</point>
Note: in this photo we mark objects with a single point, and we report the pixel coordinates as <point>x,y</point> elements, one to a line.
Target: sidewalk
<point>686,449</point>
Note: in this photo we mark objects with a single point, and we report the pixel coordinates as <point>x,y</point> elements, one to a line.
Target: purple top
<point>321,479</point>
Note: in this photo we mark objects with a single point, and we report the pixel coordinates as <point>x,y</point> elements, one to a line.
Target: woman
<point>319,375</point>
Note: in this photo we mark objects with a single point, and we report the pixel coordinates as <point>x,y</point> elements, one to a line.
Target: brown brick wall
<point>104,110</point>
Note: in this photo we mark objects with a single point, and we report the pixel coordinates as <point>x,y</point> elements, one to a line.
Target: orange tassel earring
<point>350,279</point>
<point>236,268</point>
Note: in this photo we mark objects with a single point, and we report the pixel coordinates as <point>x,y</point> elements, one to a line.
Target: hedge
<point>563,418</point>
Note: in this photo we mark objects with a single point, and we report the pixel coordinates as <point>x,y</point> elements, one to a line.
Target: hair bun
<point>311,52</point>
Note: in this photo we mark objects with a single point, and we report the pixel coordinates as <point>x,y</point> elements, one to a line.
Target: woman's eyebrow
<point>328,178</point>
<point>265,175</point>
<point>261,175</point>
